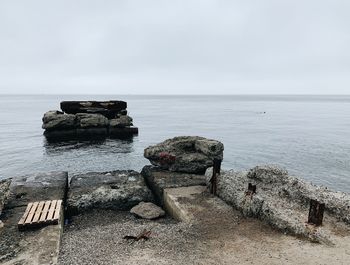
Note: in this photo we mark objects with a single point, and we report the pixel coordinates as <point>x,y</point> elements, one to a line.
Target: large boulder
<point>56,120</point>
<point>91,120</point>
<point>4,192</point>
<point>189,154</point>
<point>120,190</point>
<point>37,187</point>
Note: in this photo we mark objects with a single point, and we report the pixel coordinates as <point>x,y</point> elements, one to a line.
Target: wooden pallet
<point>40,214</point>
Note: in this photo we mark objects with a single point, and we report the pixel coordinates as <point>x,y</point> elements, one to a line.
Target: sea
<point>307,135</point>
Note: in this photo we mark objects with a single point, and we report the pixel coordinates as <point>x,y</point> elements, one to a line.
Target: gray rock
<point>147,210</point>
<point>121,122</point>
<point>158,180</point>
<point>86,120</point>
<point>4,192</point>
<point>37,187</point>
<point>119,190</point>
<point>189,154</point>
<point>283,201</point>
<point>56,120</point>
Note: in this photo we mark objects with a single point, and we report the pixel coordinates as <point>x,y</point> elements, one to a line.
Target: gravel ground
<point>97,238</point>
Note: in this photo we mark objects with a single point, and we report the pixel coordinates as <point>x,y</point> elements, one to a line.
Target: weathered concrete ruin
<point>265,197</point>
<point>271,195</point>
<point>88,119</point>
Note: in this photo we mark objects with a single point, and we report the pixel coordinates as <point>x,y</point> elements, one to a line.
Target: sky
<point>175,47</point>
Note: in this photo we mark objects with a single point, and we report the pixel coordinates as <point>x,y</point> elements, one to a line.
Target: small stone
<point>147,210</point>
<point>1,224</point>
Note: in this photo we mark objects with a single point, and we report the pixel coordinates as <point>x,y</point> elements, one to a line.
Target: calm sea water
<point>309,136</point>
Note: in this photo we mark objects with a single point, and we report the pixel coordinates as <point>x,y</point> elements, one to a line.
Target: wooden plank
<point>49,217</point>
<point>38,212</point>
<point>45,212</point>
<point>57,210</point>
<point>22,220</point>
<point>31,213</point>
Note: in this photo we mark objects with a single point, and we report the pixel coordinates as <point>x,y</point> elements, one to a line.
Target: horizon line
<point>112,94</point>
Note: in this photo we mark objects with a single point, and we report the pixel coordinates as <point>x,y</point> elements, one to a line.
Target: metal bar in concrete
<point>316,212</point>
<point>216,171</point>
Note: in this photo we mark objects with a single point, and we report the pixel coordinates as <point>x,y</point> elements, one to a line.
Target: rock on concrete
<point>119,190</point>
<point>189,154</point>
<point>283,201</point>
<point>37,187</point>
<point>158,180</point>
<point>147,210</point>
<point>88,120</point>
<point>4,192</point>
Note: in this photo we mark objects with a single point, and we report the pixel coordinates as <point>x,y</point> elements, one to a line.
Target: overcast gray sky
<point>175,47</point>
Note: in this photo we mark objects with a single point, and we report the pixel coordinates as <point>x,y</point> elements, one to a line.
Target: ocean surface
<point>307,135</point>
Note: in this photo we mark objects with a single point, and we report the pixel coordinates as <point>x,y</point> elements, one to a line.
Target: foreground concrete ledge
<point>37,246</point>
<point>118,190</point>
<point>32,247</point>
<point>158,180</point>
<point>283,202</point>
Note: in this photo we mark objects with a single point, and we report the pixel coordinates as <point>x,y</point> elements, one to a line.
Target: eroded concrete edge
<point>173,205</point>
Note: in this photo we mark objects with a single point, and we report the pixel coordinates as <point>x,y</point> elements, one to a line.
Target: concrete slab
<point>118,190</point>
<point>37,187</point>
<point>158,180</point>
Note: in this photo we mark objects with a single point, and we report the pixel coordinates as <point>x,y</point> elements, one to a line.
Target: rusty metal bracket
<point>216,172</point>
<point>316,213</point>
